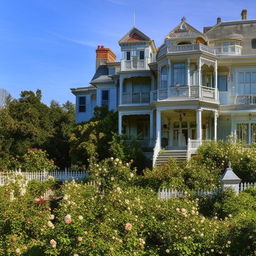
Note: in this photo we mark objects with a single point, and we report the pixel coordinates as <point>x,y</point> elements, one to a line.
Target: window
<point>105,98</point>
<point>242,132</point>
<point>222,83</point>
<point>179,73</point>
<point>254,43</point>
<point>142,55</point>
<point>82,104</point>
<point>128,55</point>
<point>164,77</point>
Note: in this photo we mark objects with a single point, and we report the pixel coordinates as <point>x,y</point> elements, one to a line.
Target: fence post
<point>230,179</point>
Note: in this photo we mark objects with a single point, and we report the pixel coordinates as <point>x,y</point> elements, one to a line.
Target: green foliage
<point>28,123</point>
<point>218,154</point>
<point>128,149</point>
<point>36,160</point>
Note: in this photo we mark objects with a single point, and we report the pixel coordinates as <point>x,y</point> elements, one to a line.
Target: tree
<point>4,95</point>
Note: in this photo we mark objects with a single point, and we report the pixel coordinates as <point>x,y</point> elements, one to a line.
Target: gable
<point>184,30</point>
<point>134,35</point>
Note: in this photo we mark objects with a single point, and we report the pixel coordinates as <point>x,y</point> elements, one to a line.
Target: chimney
<point>218,20</point>
<point>244,14</point>
<point>104,55</point>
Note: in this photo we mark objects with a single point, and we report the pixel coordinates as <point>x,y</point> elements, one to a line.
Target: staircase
<point>178,155</point>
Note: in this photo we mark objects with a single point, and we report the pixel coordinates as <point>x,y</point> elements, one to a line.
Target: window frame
<point>128,53</point>
<point>104,102</point>
<point>81,105</point>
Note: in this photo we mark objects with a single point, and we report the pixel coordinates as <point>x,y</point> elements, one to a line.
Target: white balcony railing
<point>135,64</point>
<point>190,48</point>
<point>246,99</point>
<point>136,98</point>
<point>184,93</point>
<point>229,50</point>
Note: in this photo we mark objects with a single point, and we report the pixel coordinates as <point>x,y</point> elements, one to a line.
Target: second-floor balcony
<point>249,99</point>
<point>135,64</point>
<point>136,98</point>
<point>190,48</point>
<point>229,50</point>
<point>181,93</point>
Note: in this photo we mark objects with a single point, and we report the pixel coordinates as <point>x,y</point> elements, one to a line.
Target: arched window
<point>164,77</point>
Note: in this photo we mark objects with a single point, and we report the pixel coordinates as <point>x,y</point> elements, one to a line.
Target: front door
<point>182,130</point>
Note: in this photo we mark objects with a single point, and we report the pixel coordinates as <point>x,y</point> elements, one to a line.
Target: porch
<point>184,129</point>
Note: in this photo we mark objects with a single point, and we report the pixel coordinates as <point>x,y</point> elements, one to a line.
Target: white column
<point>199,78</point>
<point>199,124</point>
<point>188,75</point>
<point>216,79</point>
<point>120,122</point>
<point>215,125</point>
<point>158,128</point>
<point>169,73</point>
<point>151,130</point>
<point>120,90</point>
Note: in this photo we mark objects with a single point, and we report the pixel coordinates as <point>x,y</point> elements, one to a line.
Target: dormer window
<point>128,55</point>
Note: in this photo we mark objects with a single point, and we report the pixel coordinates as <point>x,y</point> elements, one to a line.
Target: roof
<point>184,30</point>
<point>229,23</point>
<point>229,175</point>
<point>102,70</point>
<point>102,79</point>
<point>134,35</point>
<point>83,89</point>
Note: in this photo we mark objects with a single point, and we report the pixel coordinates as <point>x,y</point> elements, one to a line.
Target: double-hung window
<point>82,104</point>
<point>128,55</point>
<point>142,55</point>
<point>179,73</point>
<point>105,98</point>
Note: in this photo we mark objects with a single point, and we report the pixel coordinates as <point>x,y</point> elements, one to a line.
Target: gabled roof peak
<point>134,35</point>
<point>184,30</point>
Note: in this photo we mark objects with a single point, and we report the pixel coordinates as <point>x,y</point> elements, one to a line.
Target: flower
<point>67,219</point>
<point>18,251</point>
<point>80,217</point>
<point>128,227</point>
<point>40,200</point>
<point>79,239</point>
<point>50,224</point>
<point>52,217</point>
<point>53,243</point>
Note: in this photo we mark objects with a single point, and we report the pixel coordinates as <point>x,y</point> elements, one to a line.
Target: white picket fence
<point>43,175</point>
<point>166,193</point>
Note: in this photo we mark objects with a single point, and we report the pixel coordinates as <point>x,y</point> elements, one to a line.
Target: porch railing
<point>185,92</point>
<point>135,64</point>
<point>190,48</point>
<point>136,98</point>
<point>246,99</point>
<point>193,145</point>
<point>229,50</point>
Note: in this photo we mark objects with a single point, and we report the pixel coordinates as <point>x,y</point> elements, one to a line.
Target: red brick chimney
<point>104,55</point>
<point>244,14</point>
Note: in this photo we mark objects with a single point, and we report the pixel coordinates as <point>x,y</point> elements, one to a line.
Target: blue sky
<point>50,44</point>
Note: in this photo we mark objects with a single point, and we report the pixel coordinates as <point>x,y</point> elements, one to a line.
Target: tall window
<point>254,43</point>
<point>222,83</point>
<point>242,132</point>
<point>128,55</point>
<point>142,55</point>
<point>179,73</point>
<point>105,98</point>
<point>164,77</point>
<point>82,104</point>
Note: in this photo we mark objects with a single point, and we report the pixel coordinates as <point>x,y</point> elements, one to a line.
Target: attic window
<point>183,26</point>
<point>254,43</point>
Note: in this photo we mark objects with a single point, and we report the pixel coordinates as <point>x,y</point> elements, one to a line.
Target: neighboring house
<point>195,87</point>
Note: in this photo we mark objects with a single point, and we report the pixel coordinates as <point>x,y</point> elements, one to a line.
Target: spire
<point>183,19</point>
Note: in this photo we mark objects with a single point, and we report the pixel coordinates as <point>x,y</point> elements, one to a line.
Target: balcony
<point>135,64</point>
<point>245,99</point>
<point>182,93</point>
<point>229,50</point>
<point>136,98</point>
<point>190,48</point>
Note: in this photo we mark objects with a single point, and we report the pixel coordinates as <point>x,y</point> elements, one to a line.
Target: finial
<point>183,19</point>
<point>229,164</point>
